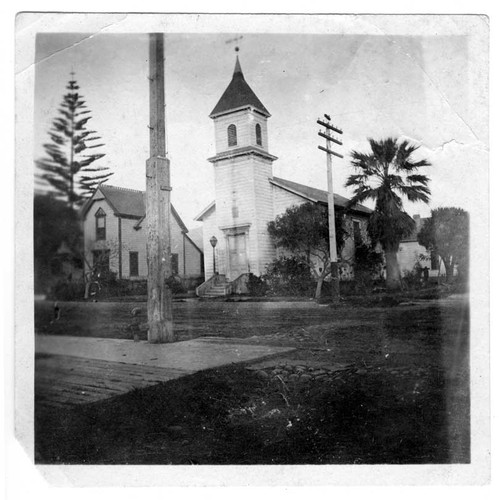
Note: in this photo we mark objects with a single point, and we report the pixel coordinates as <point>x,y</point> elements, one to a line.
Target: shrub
<point>138,287</point>
<point>412,279</point>
<point>67,290</point>
<point>257,286</point>
<point>289,276</point>
<point>367,266</point>
<point>175,285</point>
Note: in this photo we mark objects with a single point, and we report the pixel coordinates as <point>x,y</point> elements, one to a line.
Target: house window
<point>258,131</point>
<point>232,135</point>
<point>100,224</point>
<point>101,261</point>
<point>134,263</point>
<point>357,236</point>
<point>174,263</point>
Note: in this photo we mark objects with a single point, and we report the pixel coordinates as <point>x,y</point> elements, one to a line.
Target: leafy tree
<point>446,233</point>
<point>385,175</point>
<point>289,276</point>
<point>54,224</point>
<point>367,264</point>
<point>67,167</point>
<point>303,230</point>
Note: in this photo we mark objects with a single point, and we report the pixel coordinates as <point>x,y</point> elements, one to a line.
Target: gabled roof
<point>316,195</point>
<point>196,235</point>
<point>194,244</point>
<point>205,211</point>
<point>309,193</point>
<point>128,203</point>
<point>238,95</point>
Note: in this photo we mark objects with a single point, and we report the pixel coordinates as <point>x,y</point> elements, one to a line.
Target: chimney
<point>417,220</point>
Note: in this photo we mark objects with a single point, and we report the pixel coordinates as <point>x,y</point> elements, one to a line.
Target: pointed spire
<point>237,68</point>
<point>238,94</point>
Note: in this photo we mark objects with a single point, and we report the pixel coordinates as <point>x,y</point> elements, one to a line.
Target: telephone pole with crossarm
<point>333,253</point>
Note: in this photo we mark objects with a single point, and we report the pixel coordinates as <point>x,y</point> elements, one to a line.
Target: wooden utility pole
<point>333,253</point>
<point>159,296</point>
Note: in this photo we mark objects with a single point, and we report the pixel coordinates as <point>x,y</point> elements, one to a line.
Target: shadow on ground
<point>405,400</point>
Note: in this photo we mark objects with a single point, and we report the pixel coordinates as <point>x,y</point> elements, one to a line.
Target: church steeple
<point>238,95</point>
<point>242,168</point>
<point>237,68</point>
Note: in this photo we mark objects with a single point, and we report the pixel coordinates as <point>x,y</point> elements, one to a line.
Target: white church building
<point>248,196</point>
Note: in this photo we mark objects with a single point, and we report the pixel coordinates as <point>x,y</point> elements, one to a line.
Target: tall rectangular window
<point>100,224</point>
<point>357,236</point>
<point>258,132</point>
<point>134,263</point>
<point>174,263</point>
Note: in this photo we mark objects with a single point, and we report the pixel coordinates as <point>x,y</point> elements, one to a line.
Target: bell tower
<point>243,166</point>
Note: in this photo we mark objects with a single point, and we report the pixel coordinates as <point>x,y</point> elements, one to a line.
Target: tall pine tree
<point>67,166</point>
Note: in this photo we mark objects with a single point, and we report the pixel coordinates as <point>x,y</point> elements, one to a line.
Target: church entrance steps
<point>216,286</point>
<point>216,291</point>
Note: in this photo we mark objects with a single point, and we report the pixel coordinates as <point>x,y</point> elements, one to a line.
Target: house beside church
<point>115,237</point>
<point>411,253</point>
<point>248,196</point>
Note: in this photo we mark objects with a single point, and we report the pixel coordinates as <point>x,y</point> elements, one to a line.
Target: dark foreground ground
<point>403,396</point>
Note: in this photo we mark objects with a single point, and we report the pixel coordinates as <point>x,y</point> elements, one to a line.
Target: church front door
<point>238,258</point>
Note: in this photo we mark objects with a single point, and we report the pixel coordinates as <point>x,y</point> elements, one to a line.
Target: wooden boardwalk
<point>78,370</point>
<point>66,381</point>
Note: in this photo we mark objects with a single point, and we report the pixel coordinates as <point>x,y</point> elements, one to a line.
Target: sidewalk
<point>190,355</point>
<point>78,370</point>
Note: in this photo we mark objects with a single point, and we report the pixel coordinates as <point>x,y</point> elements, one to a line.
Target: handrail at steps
<point>239,285</point>
<point>215,279</point>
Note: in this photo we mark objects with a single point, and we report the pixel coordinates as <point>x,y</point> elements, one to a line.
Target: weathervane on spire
<point>235,40</point>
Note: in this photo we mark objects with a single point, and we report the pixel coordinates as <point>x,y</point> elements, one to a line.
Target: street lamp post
<point>214,241</point>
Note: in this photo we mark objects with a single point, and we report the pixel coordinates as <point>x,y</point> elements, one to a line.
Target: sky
<point>415,87</point>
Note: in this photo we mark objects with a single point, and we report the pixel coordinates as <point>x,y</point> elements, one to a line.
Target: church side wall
<point>262,170</point>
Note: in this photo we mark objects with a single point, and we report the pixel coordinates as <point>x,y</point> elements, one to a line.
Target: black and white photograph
<point>253,241</point>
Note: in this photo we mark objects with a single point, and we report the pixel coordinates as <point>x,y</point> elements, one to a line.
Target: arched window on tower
<point>258,131</point>
<point>232,135</point>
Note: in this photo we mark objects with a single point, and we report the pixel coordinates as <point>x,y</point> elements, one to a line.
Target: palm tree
<point>386,175</point>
